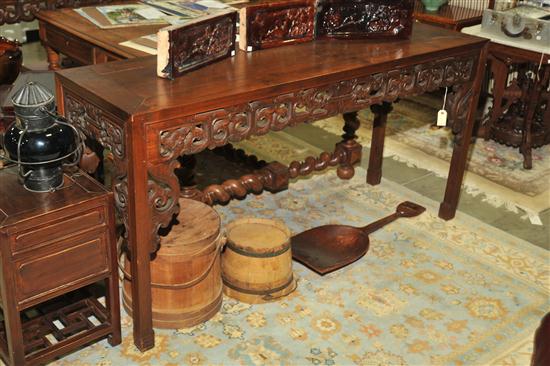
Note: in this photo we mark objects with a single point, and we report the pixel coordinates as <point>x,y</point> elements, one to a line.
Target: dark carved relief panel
<point>196,45</point>
<point>14,11</point>
<point>95,123</point>
<point>218,127</point>
<point>364,18</point>
<point>274,24</point>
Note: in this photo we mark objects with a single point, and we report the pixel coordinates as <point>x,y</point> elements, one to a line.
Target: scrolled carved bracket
<point>217,128</point>
<point>458,105</point>
<point>163,197</point>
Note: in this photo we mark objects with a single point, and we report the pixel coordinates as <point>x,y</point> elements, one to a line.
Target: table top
<point>73,23</point>
<point>131,87</point>
<point>17,203</point>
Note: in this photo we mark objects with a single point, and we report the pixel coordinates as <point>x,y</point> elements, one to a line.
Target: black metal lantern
<point>39,141</point>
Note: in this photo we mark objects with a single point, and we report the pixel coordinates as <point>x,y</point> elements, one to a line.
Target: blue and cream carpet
<point>495,171</point>
<point>428,292</point>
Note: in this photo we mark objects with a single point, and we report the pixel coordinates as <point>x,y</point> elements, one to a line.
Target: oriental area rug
<point>495,171</point>
<point>428,292</point>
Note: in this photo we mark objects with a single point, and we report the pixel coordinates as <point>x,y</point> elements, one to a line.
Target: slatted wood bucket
<point>257,261</point>
<point>186,285</point>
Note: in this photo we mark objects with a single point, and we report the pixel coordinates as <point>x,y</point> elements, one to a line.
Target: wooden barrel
<point>186,285</point>
<point>257,261</point>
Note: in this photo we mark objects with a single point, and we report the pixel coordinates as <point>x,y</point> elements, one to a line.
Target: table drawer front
<point>52,231</point>
<point>73,260</point>
<point>70,46</point>
<point>101,56</point>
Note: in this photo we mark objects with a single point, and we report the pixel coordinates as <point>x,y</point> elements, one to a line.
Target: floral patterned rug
<point>412,138</point>
<point>428,292</point>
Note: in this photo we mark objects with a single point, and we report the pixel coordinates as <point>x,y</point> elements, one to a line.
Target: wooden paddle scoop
<point>330,247</point>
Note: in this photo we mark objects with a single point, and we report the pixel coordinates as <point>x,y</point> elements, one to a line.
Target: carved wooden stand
<point>520,112</point>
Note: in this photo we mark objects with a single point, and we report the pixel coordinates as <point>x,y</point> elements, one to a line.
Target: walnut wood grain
<point>247,95</point>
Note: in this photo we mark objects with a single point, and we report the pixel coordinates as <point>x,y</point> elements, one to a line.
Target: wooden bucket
<point>257,261</point>
<point>186,285</point>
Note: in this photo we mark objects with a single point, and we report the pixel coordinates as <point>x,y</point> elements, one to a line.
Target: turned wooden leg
<point>349,144</point>
<point>186,177</point>
<point>53,58</point>
<point>351,125</point>
<point>374,171</point>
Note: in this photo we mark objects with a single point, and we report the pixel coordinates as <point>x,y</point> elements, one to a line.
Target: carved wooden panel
<point>218,127</point>
<point>95,123</point>
<point>364,18</point>
<point>14,11</point>
<point>187,47</point>
<point>275,24</point>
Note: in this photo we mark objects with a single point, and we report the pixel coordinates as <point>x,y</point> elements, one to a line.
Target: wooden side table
<point>451,16</point>
<point>51,245</point>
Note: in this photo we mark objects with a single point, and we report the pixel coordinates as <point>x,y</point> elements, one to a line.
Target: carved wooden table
<point>520,112</point>
<point>450,16</point>
<point>65,31</point>
<point>148,122</point>
<point>52,244</point>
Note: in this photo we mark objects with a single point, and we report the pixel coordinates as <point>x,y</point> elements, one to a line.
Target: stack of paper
<point>114,16</point>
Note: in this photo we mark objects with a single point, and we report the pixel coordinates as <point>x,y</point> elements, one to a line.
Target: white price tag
<point>442,118</point>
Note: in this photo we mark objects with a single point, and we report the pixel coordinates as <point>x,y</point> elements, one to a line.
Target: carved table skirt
<point>148,123</point>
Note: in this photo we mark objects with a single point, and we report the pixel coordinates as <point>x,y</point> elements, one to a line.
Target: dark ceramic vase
<point>39,142</point>
<point>11,59</point>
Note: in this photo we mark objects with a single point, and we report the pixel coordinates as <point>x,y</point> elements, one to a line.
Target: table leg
<point>53,58</point>
<point>12,319</point>
<point>499,71</point>
<point>463,107</point>
<point>374,171</point>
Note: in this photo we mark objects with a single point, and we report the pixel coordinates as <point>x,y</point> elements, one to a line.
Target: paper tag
<point>150,13</point>
<point>535,219</point>
<point>213,4</point>
<point>442,118</point>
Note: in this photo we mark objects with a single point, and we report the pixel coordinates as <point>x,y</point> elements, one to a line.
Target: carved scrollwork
<point>163,195</point>
<point>275,25</point>
<point>218,127</point>
<point>95,123</point>
<point>459,101</point>
<point>364,18</point>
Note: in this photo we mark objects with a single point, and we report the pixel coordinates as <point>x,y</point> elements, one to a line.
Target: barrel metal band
<point>240,251</point>
<point>258,292</point>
